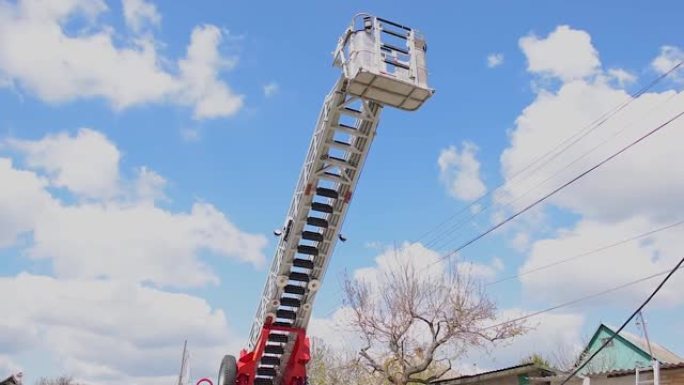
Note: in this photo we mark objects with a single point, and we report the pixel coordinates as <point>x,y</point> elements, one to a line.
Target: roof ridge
<point>660,352</point>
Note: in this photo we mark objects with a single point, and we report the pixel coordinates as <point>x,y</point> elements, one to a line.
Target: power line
<point>561,187</point>
<point>577,256</point>
<point>587,253</point>
<point>518,198</point>
<point>580,299</point>
<point>627,321</point>
<point>573,301</point>
<point>582,133</point>
<point>553,192</point>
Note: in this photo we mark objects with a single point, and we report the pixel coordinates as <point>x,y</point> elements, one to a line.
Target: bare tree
<point>415,322</point>
<point>330,366</point>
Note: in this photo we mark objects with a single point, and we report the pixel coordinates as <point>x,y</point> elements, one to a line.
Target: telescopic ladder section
<point>383,64</point>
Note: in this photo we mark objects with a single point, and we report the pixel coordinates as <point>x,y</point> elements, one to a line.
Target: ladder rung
<point>338,161</point>
<point>307,250</point>
<point>394,34</point>
<point>304,263</point>
<point>289,301</point>
<point>312,236</point>
<point>327,192</point>
<point>322,207</point>
<point>390,47</point>
<point>334,177</point>
<point>396,64</point>
<point>282,323</point>
<point>301,277</point>
<point>266,371</point>
<point>270,360</point>
<point>394,24</point>
<point>279,338</point>
<point>263,381</point>
<point>318,222</point>
<point>351,111</point>
<point>349,130</point>
<point>344,146</point>
<point>274,349</point>
<point>294,289</point>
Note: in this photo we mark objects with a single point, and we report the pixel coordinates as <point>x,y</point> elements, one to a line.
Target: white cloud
<point>104,237</point>
<point>38,55</point>
<point>8,366</point>
<point>87,164</point>
<point>617,190</point>
<point>635,192</point>
<point>149,186</point>
<point>605,269</point>
<point>335,330</point>
<point>565,53</point>
<point>107,332</point>
<point>495,60</point>
<point>271,89</point>
<point>199,70</point>
<point>622,77</point>
<point>427,261</point>
<point>22,199</point>
<point>460,172</point>
<point>98,318</point>
<point>521,241</point>
<point>485,272</point>
<point>553,335</point>
<point>669,57</point>
<point>105,240</point>
<point>140,13</point>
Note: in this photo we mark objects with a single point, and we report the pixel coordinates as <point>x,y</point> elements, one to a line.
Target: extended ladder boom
<point>383,64</point>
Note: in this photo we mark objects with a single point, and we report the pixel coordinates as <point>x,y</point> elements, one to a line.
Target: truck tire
<point>227,371</point>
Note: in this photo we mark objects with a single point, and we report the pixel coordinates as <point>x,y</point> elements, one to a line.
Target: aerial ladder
<point>383,64</point>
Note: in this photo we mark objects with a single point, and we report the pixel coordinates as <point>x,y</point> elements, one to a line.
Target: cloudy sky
<point>148,149</point>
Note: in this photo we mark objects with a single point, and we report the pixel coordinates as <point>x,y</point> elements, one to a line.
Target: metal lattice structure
<point>383,64</point>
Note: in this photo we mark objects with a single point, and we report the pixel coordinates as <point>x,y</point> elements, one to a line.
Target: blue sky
<point>152,147</point>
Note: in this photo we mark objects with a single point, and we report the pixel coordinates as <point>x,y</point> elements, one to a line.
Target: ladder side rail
<point>277,268</point>
<point>366,125</point>
<point>316,161</point>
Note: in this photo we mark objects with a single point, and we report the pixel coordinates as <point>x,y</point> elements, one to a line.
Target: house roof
<point>660,353</point>
<point>11,380</point>
<point>629,372</point>
<point>512,370</point>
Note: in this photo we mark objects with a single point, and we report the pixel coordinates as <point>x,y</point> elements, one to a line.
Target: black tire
<point>227,371</point>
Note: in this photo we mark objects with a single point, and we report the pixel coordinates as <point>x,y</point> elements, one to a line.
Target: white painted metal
<point>374,74</point>
<point>379,70</point>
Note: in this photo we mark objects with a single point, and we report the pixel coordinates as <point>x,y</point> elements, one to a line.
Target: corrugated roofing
<point>627,372</point>
<point>660,353</point>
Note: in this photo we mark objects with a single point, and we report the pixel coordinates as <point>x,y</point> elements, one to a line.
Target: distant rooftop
<point>528,368</point>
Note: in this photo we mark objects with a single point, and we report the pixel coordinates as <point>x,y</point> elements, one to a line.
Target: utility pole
<point>642,322</point>
<point>184,374</point>
<point>654,362</point>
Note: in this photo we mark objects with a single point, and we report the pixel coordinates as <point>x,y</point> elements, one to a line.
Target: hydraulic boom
<point>383,64</point>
